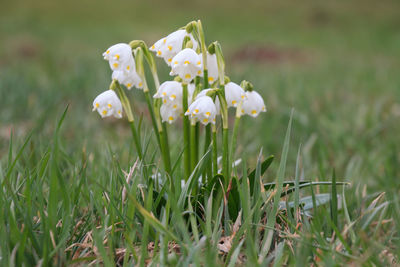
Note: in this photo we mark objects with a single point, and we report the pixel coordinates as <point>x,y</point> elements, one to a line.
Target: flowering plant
<point>200,94</point>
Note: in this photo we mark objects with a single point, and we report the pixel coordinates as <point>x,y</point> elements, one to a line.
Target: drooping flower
<point>128,79</point>
<point>202,109</point>
<point>216,101</point>
<point>186,64</point>
<point>108,104</point>
<point>212,67</point>
<point>168,113</point>
<point>234,94</point>
<point>171,93</point>
<point>120,57</point>
<point>253,104</point>
<point>171,45</point>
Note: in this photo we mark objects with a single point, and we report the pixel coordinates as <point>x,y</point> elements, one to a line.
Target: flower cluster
<point>188,64</point>
<point>199,93</point>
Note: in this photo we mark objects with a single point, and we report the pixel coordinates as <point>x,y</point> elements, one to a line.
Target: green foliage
<point>63,187</point>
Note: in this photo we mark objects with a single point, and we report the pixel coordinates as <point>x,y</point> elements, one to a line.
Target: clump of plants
<point>204,199</point>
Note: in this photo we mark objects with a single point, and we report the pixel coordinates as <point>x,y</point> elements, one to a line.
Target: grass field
<point>337,64</point>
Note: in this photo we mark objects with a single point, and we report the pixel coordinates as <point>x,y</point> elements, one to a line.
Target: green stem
<point>124,99</point>
<point>186,133</point>
<point>205,76</point>
<point>165,148</point>
<point>225,135</point>
<point>159,129</point>
<point>193,145</point>
<point>207,143</point>
<point>214,150</point>
<point>225,156</point>
<point>136,140</point>
<point>235,131</point>
<point>197,138</point>
<point>153,117</point>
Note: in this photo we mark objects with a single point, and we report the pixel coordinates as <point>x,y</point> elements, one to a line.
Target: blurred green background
<point>336,62</point>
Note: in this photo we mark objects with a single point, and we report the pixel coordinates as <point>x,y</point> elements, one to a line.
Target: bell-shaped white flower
<point>234,94</point>
<point>129,79</point>
<point>108,104</point>
<point>216,102</point>
<point>171,93</point>
<point>202,109</point>
<point>253,104</point>
<point>120,57</point>
<point>171,45</point>
<point>186,64</point>
<point>168,113</point>
<point>212,67</point>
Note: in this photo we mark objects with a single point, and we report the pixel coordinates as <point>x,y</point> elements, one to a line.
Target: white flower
<point>186,64</point>
<point>234,94</point>
<point>171,45</point>
<point>212,67</point>
<point>108,104</point>
<point>168,113</point>
<point>171,93</point>
<point>202,109</point>
<point>253,104</point>
<point>216,102</point>
<point>120,57</point>
<point>128,79</point>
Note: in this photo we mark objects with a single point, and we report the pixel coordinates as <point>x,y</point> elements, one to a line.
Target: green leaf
<point>307,202</point>
<point>279,184</point>
<point>334,200</point>
<point>151,219</point>
<point>198,170</point>
<point>302,184</point>
<point>264,167</point>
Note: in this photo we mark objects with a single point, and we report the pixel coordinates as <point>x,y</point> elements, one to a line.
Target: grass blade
<point>279,183</point>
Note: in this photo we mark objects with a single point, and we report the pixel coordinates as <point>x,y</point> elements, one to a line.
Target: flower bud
<point>190,26</point>
<point>211,49</point>
<point>135,44</point>
<point>246,85</point>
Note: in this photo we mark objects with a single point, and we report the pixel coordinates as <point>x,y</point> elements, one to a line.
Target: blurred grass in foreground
<point>336,63</point>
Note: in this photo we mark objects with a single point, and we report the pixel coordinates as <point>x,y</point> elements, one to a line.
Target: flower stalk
<point>236,129</point>
<point>186,133</point>
<point>224,113</point>
<point>161,137</point>
<point>128,111</point>
<point>214,150</point>
<point>193,145</point>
